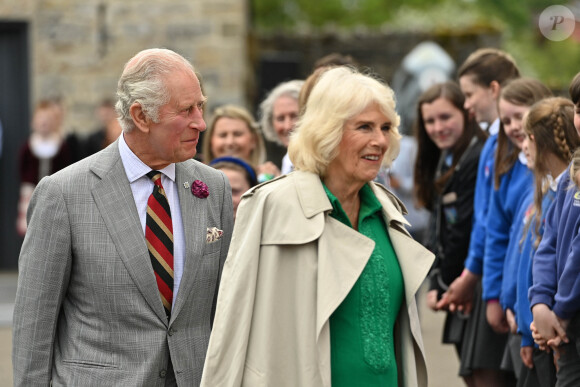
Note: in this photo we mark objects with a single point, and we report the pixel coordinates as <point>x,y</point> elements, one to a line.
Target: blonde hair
<point>258,155</point>
<point>340,94</point>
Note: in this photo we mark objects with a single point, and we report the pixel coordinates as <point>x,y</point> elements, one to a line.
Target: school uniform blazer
<point>88,310</point>
<point>290,266</point>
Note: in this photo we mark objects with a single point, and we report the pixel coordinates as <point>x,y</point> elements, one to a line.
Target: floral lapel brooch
<point>213,234</point>
<point>198,189</point>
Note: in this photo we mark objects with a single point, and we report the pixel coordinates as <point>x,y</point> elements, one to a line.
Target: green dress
<point>362,344</point>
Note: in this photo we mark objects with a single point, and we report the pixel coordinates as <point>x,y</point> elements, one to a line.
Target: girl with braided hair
<point>548,146</point>
<point>555,292</point>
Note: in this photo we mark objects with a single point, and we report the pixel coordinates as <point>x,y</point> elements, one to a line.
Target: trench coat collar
<point>311,194</point>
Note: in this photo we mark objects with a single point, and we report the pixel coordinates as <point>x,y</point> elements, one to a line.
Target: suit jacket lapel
<point>194,215</point>
<point>114,199</point>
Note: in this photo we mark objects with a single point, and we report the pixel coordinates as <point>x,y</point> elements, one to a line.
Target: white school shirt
<point>142,187</point>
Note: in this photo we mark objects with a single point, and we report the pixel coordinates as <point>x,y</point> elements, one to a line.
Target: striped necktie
<point>159,237</point>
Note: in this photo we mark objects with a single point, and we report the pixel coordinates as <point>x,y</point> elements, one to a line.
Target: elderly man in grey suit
<point>120,266</point>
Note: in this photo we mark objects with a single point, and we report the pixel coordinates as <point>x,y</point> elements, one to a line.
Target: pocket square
<point>213,234</point>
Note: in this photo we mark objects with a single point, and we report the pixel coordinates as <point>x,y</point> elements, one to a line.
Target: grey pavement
<point>7,294</point>
<point>442,363</point>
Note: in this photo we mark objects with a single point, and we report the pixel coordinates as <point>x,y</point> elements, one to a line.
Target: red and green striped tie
<point>159,237</point>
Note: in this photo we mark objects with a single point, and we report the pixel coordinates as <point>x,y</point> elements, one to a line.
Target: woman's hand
<point>432,299</point>
<point>496,317</point>
<point>526,353</point>
<point>511,320</point>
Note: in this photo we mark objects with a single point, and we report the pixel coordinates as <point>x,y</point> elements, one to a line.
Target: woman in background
<point>278,115</point>
<point>46,151</point>
<point>233,132</point>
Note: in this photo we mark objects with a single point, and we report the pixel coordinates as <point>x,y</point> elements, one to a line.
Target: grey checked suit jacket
<point>88,311</point>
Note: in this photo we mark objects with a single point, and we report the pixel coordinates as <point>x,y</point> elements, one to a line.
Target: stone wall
<point>78,47</point>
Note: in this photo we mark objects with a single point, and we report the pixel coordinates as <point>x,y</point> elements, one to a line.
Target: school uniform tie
<point>159,237</point>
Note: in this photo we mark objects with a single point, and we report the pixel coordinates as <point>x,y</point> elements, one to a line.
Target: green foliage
<point>273,14</point>
<point>554,63</point>
<point>536,56</point>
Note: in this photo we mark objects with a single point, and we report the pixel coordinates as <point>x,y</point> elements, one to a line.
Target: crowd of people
<point>145,262</point>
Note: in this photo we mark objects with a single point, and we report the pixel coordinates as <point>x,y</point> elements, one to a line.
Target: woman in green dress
<point>319,285</point>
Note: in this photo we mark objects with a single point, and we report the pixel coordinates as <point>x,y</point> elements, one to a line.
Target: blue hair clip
<point>241,163</point>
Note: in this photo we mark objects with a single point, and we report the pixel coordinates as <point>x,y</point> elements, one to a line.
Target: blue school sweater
<point>503,205</point>
<point>483,188</point>
<point>524,278</point>
<point>556,264</point>
<point>508,294</point>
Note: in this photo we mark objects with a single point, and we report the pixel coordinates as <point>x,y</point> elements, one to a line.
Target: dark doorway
<point>14,116</point>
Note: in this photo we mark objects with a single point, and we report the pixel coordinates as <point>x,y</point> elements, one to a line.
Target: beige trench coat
<point>290,265</point>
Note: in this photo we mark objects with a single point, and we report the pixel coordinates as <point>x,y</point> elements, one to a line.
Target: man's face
<point>174,138</point>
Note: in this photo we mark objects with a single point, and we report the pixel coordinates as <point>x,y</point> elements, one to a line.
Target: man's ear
<point>495,88</point>
<point>139,117</point>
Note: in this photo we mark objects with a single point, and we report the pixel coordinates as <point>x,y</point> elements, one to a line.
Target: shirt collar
<point>494,127</point>
<point>134,167</point>
<point>369,204</point>
<point>551,182</point>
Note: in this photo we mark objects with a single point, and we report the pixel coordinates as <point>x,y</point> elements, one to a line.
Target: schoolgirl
<point>550,141</point>
<point>449,143</point>
<point>555,293</point>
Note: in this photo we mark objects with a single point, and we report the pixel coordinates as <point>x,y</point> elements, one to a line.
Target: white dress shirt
<point>142,187</point>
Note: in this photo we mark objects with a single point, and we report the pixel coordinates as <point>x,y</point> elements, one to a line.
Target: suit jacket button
<point>171,332</point>
<point>162,373</point>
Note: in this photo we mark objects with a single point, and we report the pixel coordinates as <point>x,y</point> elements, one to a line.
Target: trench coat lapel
<point>343,252</point>
<point>418,260</point>
<point>114,199</point>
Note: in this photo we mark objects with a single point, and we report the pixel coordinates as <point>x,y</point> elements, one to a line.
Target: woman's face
<point>529,149</point>
<point>511,117</point>
<point>239,186</point>
<point>284,117</point>
<point>444,122</point>
<point>232,137</point>
<point>365,140</point>
<point>44,122</point>
<point>480,101</point>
